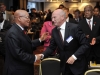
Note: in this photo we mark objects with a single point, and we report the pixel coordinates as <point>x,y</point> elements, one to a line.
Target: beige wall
<point>71,6</point>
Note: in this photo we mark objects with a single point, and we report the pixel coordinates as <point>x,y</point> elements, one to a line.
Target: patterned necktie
<point>89,24</point>
<point>60,34</point>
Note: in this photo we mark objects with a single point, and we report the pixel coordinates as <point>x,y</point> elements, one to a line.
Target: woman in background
<point>96,12</point>
<point>47,27</point>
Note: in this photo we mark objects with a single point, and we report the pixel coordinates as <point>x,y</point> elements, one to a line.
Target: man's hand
<point>44,36</point>
<point>71,60</point>
<point>93,41</point>
<point>38,56</point>
<point>87,36</point>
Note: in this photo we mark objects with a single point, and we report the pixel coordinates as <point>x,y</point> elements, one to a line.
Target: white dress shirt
<point>4,15</point>
<point>67,19</point>
<point>1,25</point>
<point>91,22</point>
<point>62,30</point>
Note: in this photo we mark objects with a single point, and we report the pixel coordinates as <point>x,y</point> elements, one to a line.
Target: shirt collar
<point>20,26</point>
<point>89,19</point>
<point>67,19</point>
<point>63,25</point>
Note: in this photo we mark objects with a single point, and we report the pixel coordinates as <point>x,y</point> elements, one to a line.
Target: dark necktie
<point>60,34</point>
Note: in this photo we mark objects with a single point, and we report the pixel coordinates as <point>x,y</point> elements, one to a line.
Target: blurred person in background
<point>63,7</point>
<point>6,14</point>
<point>68,19</point>
<point>47,27</point>
<point>77,17</point>
<point>96,12</point>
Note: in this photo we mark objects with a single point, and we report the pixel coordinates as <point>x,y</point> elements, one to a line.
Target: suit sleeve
<point>84,45</point>
<point>52,47</point>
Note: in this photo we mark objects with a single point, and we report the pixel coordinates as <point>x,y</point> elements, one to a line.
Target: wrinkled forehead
<point>54,14</point>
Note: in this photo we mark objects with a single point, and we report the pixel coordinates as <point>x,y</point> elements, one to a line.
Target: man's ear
<point>62,17</point>
<point>19,19</point>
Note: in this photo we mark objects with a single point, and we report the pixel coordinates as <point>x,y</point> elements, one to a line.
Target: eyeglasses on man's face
<point>27,17</point>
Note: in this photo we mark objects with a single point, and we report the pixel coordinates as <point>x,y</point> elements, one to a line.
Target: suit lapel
<point>86,25</point>
<point>67,30</point>
<point>24,35</point>
<point>58,36</point>
<point>4,24</point>
<point>94,24</point>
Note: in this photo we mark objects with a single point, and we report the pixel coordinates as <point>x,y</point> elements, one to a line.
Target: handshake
<point>39,56</point>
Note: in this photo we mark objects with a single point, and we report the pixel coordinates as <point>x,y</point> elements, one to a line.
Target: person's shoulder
<point>48,23</point>
<point>82,20</point>
<point>72,24</point>
<point>8,12</point>
<point>12,31</point>
<point>96,18</point>
<point>54,29</point>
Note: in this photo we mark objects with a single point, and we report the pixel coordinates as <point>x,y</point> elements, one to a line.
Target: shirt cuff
<point>39,39</point>
<point>42,56</point>
<point>35,58</point>
<point>74,57</point>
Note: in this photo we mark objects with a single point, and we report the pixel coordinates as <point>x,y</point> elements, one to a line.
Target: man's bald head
<point>21,17</point>
<point>20,13</point>
<point>60,12</point>
<point>88,6</point>
<point>88,11</point>
<point>58,17</point>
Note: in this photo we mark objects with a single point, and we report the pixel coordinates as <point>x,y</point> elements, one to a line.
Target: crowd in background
<point>41,22</point>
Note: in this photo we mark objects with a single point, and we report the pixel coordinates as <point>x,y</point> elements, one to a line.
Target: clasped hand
<point>39,56</point>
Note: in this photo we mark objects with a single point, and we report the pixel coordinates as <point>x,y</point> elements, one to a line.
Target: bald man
<point>71,46</point>
<point>91,27</point>
<point>19,58</point>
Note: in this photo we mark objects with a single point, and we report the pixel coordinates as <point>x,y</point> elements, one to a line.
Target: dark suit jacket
<point>78,20</point>
<point>19,52</point>
<point>6,26</point>
<point>77,46</point>
<point>95,32</point>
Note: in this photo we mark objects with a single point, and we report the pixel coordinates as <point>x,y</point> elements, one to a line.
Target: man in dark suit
<point>77,15</point>
<point>4,24</point>
<point>6,14</point>
<point>68,19</point>
<point>19,58</point>
<point>71,46</point>
<point>91,27</point>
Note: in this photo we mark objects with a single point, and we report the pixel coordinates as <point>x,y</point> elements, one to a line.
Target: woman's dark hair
<point>48,17</point>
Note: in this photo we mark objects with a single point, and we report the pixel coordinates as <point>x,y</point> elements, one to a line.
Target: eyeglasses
<point>27,17</point>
